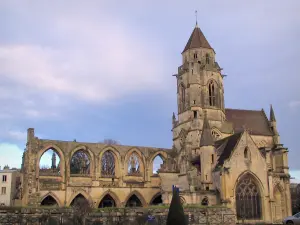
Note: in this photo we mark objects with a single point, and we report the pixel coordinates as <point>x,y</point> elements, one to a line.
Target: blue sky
<point>90,70</point>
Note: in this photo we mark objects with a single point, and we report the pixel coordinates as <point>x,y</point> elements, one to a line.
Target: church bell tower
<point>199,89</point>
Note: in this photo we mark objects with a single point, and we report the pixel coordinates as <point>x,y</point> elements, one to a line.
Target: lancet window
<point>182,98</point>
<point>108,164</point>
<point>248,199</point>
<point>212,93</point>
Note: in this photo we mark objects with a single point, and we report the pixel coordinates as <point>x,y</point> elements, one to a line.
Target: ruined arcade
<point>220,156</point>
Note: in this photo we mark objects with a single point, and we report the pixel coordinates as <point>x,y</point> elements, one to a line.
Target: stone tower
<point>199,88</point>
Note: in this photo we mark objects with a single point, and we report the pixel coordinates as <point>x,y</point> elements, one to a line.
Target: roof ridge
<point>253,110</point>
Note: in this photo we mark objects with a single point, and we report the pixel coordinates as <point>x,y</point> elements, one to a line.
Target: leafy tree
<point>176,214</point>
<point>81,208</point>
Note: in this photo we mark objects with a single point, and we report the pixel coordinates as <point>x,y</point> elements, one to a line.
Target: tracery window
<point>212,93</point>
<point>80,163</point>
<point>108,164</point>
<point>133,164</point>
<point>248,199</point>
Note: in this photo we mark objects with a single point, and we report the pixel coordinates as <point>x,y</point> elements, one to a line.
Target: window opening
<point>211,92</point>
<point>248,199</point>
<point>195,114</point>
<point>3,190</point>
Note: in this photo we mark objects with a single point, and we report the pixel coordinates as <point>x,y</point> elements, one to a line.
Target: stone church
<point>220,156</point>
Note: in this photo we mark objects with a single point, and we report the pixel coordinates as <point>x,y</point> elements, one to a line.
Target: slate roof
<point>197,40</point>
<point>225,146</point>
<point>255,121</point>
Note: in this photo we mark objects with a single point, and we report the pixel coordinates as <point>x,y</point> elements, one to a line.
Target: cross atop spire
<point>196,18</point>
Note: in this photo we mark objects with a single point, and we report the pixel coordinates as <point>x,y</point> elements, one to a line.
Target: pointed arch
<point>212,92</point>
<point>156,199</point>
<point>247,153</point>
<point>248,197</point>
<point>136,194</point>
<point>279,203</point>
<point>216,134</point>
<point>182,200</point>
<point>88,153</point>
<point>82,193</point>
<point>50,197</point>
<point>117,159</point>
<point>162,154</point>
<point>140,161</point>
<point>112,195</point>
<point>58,151</point>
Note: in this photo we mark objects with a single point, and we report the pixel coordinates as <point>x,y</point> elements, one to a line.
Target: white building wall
<point>9,185</point>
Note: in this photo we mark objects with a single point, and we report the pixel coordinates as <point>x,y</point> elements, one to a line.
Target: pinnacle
<point>206,136</point>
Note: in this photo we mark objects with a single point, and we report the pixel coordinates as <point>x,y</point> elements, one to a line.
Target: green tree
<point>176,214</point>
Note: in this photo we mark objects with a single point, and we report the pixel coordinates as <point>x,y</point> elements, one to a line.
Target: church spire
<point>206,136</point>
<point>272,115</point>
<point>197,39</point>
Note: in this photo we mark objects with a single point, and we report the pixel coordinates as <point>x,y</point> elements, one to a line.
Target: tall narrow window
<point>195,115</point>
<point>207,59</point>
<point>212,159</point>
<point>182,98</point>
<point>195,56</point>
<point>246,153</point>
<point>4,178</point>
<point>212,93</point>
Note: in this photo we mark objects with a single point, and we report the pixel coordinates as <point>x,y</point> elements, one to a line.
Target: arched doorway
<point>248,198</point>
<point>80,200</point>
<point>49,201</point>
<point>278,205</point>
<point>107,201</point>
<point>157,200</point>
<point>134,201</point>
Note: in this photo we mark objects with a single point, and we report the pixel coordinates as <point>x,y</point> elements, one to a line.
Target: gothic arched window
<point>248,199</point>
<point>246,153</point>
<point>182,98</point>
<point>134,164</point>
<point>108,164</point>
<point>212,93</point>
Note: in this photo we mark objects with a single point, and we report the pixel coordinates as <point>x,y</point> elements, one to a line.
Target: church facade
<point>220,156</point>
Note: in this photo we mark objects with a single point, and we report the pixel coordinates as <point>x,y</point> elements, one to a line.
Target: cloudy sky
<point>90,70</point>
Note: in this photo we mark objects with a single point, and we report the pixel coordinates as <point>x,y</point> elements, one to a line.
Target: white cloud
<point>88,58</point>
<point>11,155</point>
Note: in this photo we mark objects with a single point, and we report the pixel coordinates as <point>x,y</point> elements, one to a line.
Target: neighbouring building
<point>220,156</point>
<point>8,180</point>
<point>295,196</point>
